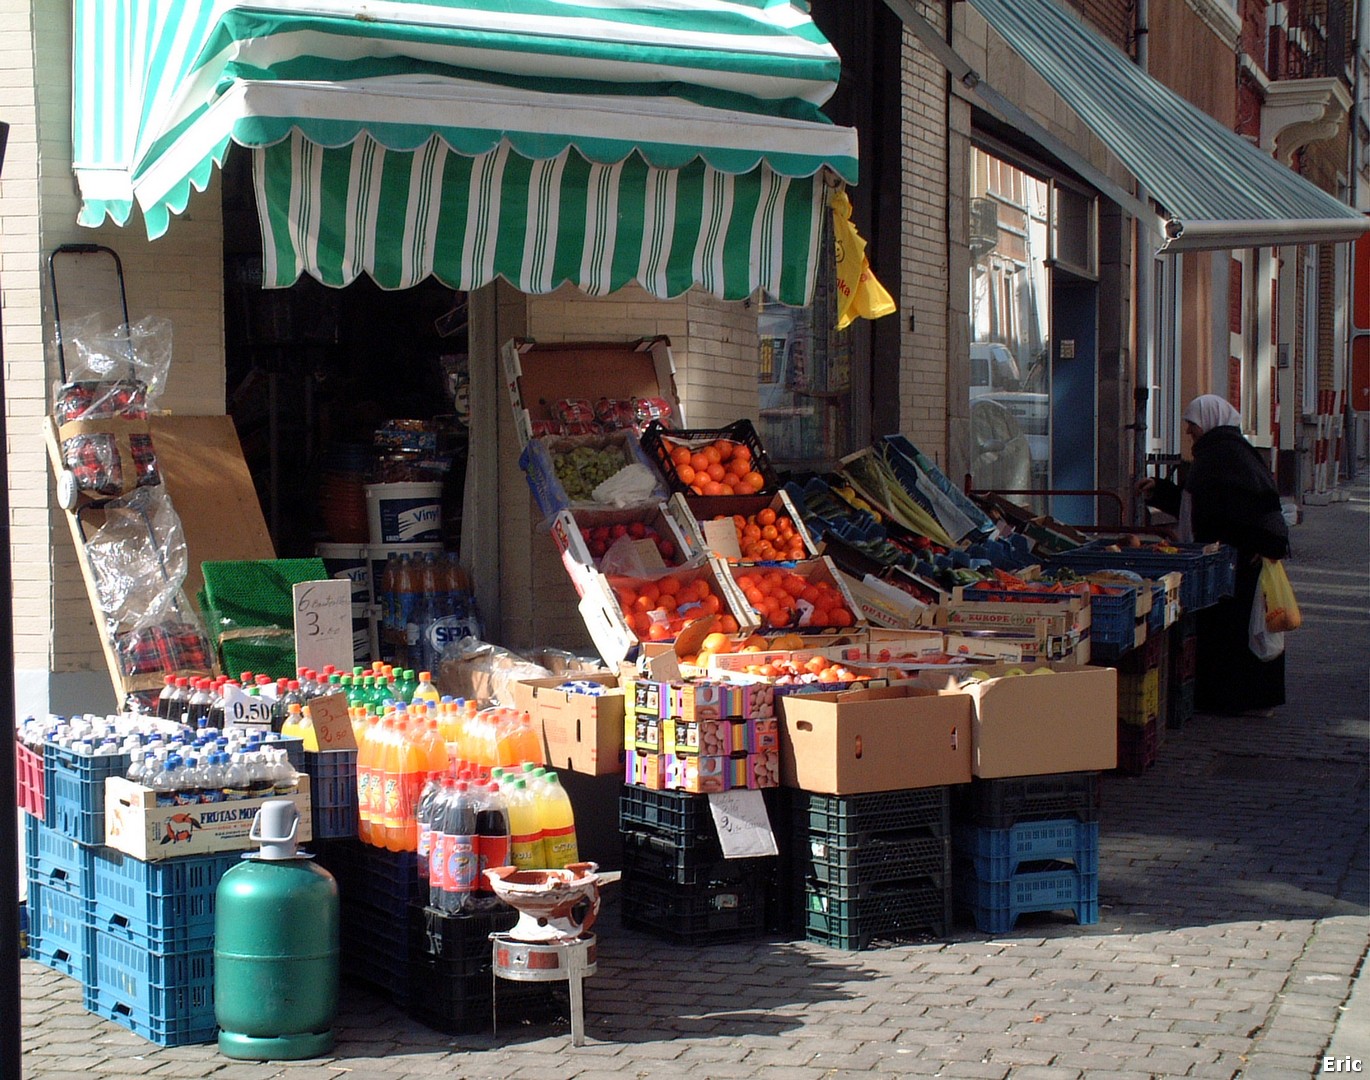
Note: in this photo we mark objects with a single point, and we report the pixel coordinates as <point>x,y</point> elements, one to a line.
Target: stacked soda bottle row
<point>191,700</point>
<point>428,599</point>
<point>472,821</point>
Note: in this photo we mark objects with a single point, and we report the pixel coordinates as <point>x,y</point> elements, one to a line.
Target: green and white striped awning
<point>597,142</point>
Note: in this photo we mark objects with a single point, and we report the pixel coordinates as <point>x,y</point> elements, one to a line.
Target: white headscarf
<point>1209,411</point>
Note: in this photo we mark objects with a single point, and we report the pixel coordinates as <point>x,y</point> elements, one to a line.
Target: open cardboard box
<point>581,732</point>
<point>566,528</point>
<point>1032,724</point>
<point>882,739</point>
<point>697,516</point>
<point>538,375</point>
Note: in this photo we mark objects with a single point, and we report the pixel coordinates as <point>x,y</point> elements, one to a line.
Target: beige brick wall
<point>180,277</point>
<point>924,367</point>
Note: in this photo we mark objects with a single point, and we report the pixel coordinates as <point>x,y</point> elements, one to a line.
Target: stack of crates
<point>60,875</point>
<point>1026,844</point>
<point>872,866</point>
<point>452,987</point>
<point>376,889</point>
<point>1184,642</point>
<point>1140,717</point>
<point>152,944</point>
<point>676,883</point>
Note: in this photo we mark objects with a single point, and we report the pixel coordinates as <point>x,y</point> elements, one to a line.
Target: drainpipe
<point>1144,362</point>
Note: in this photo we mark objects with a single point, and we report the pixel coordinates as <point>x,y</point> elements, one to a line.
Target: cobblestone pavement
<point>1234,900</point>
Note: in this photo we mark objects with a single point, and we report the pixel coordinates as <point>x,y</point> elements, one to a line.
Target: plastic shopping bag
<point>1281,608</point>
<point>1264,643</point>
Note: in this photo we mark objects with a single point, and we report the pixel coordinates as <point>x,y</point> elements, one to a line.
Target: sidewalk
<point>1234,895</point>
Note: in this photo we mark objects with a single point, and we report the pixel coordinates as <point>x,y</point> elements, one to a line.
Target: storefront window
<point>1010,237</point>
<point>804,378</point>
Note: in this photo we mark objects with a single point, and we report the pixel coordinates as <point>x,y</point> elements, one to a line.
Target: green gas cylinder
<point>276,947</point>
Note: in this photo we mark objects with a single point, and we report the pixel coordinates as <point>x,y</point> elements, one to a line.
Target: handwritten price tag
<point>245,710</point>
<point>323,623</point>
<point>331,724</point>
<point>744,829</point>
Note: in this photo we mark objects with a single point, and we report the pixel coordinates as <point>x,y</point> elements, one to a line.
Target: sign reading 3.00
<point>323,623</point>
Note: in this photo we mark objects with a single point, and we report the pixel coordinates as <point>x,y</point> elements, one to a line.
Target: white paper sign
<point>323,624</point>
<point>242,709</point>
<point>744,829</point>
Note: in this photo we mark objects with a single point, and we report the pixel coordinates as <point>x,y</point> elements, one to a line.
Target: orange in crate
<point>767,536</point>
<point>784,598</point>
<point>658,609</point>
<point>722,467</point>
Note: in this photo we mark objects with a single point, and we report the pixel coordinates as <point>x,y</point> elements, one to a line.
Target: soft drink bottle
<point>506,724</point>
<point>525,828</point>
<point>492,843</point>
<point>423,816</point>
<point>413,768</point>
<point>558,825</point>
<point>408,590</point>
<point>437,842</point>
<point>459,856</point>
<point>367,751</point>
<point>165,697</point>
<point>425,690</point>
<point>433,747</point>
<point>528,742</point>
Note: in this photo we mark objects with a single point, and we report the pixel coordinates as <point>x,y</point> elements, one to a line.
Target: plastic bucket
<point>349,561</point>
<point>404,513</point>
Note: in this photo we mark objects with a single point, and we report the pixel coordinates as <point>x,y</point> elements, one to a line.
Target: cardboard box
<point>1027,725</point>
<point>1055,618</point>
<point>882,739</point>
<point>580,732</point>
<point>566,526</point>
<point>539,375</point>
<point>137,826</point>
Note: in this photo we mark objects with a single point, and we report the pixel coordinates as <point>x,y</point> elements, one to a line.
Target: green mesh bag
<point>249,606</point>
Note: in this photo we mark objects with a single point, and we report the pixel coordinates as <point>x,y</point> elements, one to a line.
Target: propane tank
<point>276,947</point>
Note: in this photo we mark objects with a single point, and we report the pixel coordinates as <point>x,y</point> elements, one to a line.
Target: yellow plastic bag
<point>859,294</point>
<point>1281,608</point>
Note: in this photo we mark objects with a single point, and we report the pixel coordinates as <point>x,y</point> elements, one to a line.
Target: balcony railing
<point>1312,42</point>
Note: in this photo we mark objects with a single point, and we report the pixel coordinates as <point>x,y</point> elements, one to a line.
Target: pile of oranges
<point>785,598</point>
<point>767,537</point>
<point>657,609</point>
<point>816,669</point>
<point>722,467</point>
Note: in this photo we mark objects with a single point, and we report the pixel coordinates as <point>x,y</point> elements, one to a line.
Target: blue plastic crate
<point>161,996</point>
<point>56,861</point>
<point>332,793</point>
<point>74,789</point>
<point>163,906</point>
<point>1205,572</point>
<point>997,853</point>
<point>996,905</point>
<point>60,931</point>
<point>1113,617</point>
<point>1155,619</point>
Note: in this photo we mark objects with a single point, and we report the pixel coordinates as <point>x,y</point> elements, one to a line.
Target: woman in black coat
<point>1228,495</point>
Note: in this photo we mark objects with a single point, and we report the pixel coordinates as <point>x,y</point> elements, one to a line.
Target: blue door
<point>1074,408</point>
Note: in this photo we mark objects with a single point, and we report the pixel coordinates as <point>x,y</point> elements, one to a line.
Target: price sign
<point>331,724</point>
<point>744,829</point>
<point>323,623</point>
<point>242,709</point>
<point>721,537</point>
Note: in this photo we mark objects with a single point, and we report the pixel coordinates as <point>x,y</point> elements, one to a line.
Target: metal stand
<point>527,961</point>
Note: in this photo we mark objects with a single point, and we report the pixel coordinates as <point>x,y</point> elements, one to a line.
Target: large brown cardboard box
<point>1026,725</point>
<point>580,732</point>
<point>883,739</point>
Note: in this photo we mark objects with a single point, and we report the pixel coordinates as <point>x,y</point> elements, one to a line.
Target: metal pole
<point>11,1032</point>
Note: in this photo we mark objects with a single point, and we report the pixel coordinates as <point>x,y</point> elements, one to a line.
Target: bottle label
<point>437,860</point>
<point>491,851</point>
<point>425,841</point>
<point>561,845</point>
<point>461,864</point>
<point>391,805</point>
<point>527,851</point>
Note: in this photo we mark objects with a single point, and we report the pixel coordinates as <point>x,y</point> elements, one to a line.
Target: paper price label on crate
<point>242,709</point>
<point>744,828</point>
<point>323,623</point>
<point>332,727</point>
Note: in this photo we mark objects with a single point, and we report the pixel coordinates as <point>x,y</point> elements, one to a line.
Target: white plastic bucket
<point>379,554</point>
<point>404,513</point>
<point>349,561</point>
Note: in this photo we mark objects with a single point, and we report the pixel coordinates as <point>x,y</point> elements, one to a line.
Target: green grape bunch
<point>583,469</point>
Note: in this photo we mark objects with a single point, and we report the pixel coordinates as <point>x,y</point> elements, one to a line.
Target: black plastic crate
<point>1137,747</point>
<point>654,438</point>
<point>879,859</point>
<point>1004,801</point>
<point>456,1004</point>
<point>886,915</point>
<point>657,857</point>
<point>680,815</point>
<point>1181,704</point>
<point>840,816</point>
<point>459,937</point>
<point>375,949</point>
<point>697,914</point>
